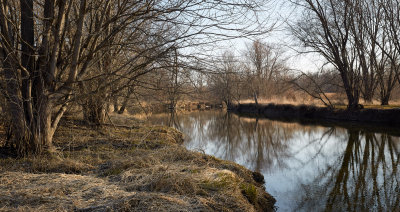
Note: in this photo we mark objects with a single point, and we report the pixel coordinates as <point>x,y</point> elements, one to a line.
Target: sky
<point>281,12</point>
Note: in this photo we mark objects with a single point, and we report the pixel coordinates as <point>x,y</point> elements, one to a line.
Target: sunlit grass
<point>381,107</point>
<point>118,167</point>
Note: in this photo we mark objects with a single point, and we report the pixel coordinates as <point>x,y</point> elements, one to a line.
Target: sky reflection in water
<point>306,168</point>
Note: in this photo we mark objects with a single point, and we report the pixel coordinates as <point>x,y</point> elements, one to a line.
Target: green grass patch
<point>221,181</point>
<point>249,191</point>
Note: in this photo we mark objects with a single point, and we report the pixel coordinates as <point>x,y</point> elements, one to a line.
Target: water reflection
<point>307,168</point>
<point>364,177</point>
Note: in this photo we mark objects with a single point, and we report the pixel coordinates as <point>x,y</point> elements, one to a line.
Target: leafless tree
<point>392,22</point>
<point>325,27</point>
<point>387,70</point>
<point>377,56</point>
<point>265,64</point>
<point>364,30</point>
<point>358,38</point>
<point>53,52</point>
<point>225,82</point>
<point>316,85</point>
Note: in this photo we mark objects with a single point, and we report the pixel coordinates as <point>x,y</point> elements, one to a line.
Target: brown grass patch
<point>139,168</point>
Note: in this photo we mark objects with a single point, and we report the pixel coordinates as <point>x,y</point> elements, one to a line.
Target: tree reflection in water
<point>307,168</point>
<point>364,177</point>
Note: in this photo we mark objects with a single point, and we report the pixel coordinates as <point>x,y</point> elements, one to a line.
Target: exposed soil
<point>365,116</point>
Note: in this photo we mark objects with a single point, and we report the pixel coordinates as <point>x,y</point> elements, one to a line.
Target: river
<point>306,167</point>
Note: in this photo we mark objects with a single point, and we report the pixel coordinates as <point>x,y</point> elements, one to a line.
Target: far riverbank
<point>387,117</point>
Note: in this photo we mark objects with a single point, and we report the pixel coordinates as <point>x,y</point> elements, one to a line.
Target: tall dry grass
<point>337,99</point>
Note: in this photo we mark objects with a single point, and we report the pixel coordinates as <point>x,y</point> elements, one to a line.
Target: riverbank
<point>127,168</point>
<point>390,117</point>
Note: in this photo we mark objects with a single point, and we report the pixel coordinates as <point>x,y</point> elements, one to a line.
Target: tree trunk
<point>122,108</point>
<point>351,88</point>
<point>228,104</point>
<point>125,103</point>
<point>29,65</point>
<point>94,111</point>
<point>115,105</point>
<point>368,97</point>
<point>28,105</point>
<point>353,103</point>
<point>30,127</point>
<point>255,98</point>
<point>385,99</point>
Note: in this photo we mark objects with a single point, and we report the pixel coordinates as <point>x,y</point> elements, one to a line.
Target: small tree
<point>226,80</point>
<point>265,64</point>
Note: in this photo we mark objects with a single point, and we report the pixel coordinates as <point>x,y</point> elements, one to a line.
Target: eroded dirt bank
<point>137,168</point>
<point>387,117</point>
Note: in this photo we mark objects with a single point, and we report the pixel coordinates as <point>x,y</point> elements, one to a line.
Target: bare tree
<point>389,67</point>
<point>365,29</point>
<point>50,51</point>
<point>316,85</point>
<point>227,78</point>
<point>359,38</point>
<point>325,27</point>
<point>31,74</point>
<point>392,23</point>
<point>377,55</point>
<point>264,64</point>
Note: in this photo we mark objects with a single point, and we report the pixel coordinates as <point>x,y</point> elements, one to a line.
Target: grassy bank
<point>384,116</point>
<point>127,168</point>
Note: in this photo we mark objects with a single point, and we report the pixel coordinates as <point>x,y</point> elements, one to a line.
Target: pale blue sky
<point>280,12</point>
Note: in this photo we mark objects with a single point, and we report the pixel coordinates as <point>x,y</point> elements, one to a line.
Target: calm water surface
<point>306,168</point>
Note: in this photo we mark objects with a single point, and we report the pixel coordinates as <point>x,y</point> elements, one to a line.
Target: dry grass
<point>373,106</point>
<point>56,192</point>
<point>296,98</point>
<point>136,168</point>
<point>338,100</point>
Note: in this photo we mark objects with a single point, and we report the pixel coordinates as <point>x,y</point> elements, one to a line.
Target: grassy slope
<point>142,168</point>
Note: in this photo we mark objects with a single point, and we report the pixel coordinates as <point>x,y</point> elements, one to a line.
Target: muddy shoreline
<point>376,120</point>
<point>304,112</point>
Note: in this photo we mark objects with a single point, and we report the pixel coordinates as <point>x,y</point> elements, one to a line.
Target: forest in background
<point>95,54</point>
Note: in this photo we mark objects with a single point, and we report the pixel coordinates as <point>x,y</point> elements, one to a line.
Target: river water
<point>306,168</point>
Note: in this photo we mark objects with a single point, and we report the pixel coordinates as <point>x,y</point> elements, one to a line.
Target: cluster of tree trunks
<point>90,53</point>
<point>359,38</point>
